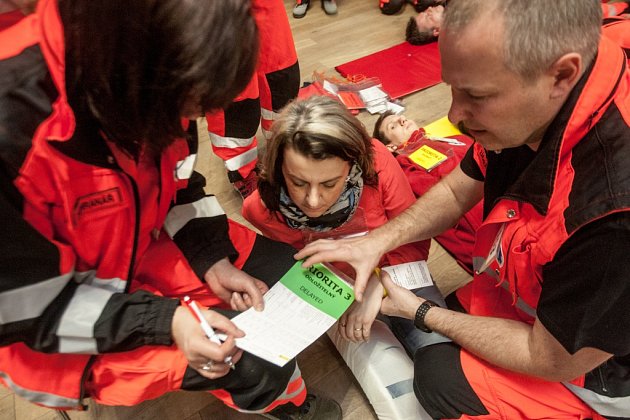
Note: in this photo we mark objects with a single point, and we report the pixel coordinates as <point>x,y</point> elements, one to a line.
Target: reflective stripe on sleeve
<point>29,302</point>
<point>41,398</point>
<point>294,388</point>
<point>230,142</point>
<point>115,285</point>
<point>185,167</point>
<point>606,406</point>
<point>241,160</point>
<point>76,329</point>
<point>268,114</point>
<point>178,216</point>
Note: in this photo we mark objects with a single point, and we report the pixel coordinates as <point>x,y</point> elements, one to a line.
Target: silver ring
<point>359,329</point>
<point>207,366</point>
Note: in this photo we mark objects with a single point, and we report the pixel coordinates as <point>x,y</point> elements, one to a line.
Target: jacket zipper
<point>600,376</point>
<point>88,366</point>
<point>612,93</point>
<point>136,232</point>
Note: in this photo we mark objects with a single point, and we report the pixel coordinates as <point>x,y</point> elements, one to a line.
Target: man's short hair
<point>414,36</point>
<point>538,32</point>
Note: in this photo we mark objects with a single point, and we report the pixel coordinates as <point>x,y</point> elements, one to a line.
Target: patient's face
<point>397,129</point>
<point>313,185</point>
<point>430,19</point>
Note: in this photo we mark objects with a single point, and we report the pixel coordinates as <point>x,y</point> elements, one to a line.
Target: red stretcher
<point>402,69</point>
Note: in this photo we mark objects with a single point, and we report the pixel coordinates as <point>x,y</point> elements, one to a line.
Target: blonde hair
<point>320,128</point>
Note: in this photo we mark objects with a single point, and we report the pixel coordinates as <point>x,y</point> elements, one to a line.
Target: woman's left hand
<point>356,323</point>
<point>236,287</point>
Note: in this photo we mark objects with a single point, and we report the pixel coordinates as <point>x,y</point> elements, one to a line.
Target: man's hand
<point>198,349</point>
<point>355,324</point>
<point>399,302</point>
<point>363,254</point>
<point>235,286</point>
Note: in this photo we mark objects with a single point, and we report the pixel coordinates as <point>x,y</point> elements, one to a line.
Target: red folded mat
<point>10,18</point>
<point>403,68</point>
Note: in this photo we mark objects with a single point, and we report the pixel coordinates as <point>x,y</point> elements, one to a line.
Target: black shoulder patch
<point>26,96</point>
<point>602,174</point>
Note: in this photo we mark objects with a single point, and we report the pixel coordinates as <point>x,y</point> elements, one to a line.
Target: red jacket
<point>378,204</point>
<point>561,191</point>
<point>78,218</point>
<point>460,239</point>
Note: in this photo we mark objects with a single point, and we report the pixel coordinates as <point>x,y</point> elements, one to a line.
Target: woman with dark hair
<point>106,223</point>
<point>322,176</point>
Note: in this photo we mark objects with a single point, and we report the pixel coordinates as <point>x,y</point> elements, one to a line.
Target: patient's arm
<point>355,324</point>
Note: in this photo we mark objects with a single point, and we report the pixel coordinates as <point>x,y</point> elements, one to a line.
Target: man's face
<point>397,129</point>
<point>430,20</point>
<point>497,106</point>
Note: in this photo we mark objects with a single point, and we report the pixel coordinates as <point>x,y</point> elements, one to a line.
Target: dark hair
<point>318,127</point>
<point>377,133</point>
<point>422,5</point>
<point>415,37</point>
<point>133,65</point>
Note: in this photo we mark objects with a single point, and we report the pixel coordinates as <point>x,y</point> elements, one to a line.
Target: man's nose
<point>458,110</point>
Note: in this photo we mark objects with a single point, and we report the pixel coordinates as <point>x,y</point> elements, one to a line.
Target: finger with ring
<point>207,366</point>
<point>358,329</point>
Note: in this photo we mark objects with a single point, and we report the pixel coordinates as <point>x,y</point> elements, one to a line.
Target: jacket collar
<point>80,140</point>
<point>62,123</point>
<point>582,109</point>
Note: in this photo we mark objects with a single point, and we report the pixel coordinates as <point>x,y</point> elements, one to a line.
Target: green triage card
<point>299,308</point>
<point>320,286</point>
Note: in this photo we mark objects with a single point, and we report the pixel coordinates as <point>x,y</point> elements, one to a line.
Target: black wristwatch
<point>421,313</point>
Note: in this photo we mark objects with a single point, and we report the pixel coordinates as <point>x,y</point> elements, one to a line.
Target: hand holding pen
<point>208,330</point>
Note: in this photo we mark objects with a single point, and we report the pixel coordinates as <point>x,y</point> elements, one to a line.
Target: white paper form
<point>413,275</point>
<point>301,307</point>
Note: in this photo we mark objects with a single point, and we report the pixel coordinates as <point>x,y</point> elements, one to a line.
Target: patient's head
<point>393,130</point>
<point>316,151</point>
<point>425,27</point>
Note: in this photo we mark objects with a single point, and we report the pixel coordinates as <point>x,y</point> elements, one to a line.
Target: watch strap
<point>421,313</point>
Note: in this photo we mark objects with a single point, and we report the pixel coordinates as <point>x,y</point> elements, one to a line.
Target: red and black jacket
<point>72,225</point>
<point>578,177</point>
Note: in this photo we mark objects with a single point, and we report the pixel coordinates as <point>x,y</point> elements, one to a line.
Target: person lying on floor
<point>425,27</point>
<point>402,136</point>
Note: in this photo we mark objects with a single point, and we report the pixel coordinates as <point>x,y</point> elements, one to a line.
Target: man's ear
<point>566,72</point>
<point>436,32</point>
